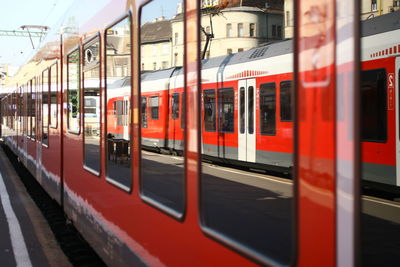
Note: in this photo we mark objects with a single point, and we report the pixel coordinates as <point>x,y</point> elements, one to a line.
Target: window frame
<point>214,94</point>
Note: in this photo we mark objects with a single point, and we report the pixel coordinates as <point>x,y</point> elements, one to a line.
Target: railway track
<point>77,250</point>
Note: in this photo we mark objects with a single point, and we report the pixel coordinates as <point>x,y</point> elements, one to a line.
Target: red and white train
<point>78,117</point>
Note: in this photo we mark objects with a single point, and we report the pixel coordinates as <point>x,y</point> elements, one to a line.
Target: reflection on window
<point>209,110</point>
<point>225,110</point>
<point>175,106</point>
<point>45,108</point>
<point>162,176</point>
<point>242,110</point>
<point>53,96</point>
<point>251,110</point>
<point>267,108</point>
<point>118,91</point>
<point>73,91</point>
<point>91,108</point>
<point>154,107</point>
<point>373,105</point>
<point>286,100</point>
<point>144,111</point>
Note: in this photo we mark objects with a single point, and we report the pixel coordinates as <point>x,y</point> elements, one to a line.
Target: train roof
<point>380,24</point>
<point>265,51</point>
<point>158,74</point>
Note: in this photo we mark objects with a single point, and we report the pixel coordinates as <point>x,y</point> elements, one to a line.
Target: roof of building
<point>154,32</point>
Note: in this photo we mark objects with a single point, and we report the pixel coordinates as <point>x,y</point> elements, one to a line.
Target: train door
<point>395,81</point>
<point>246,120</point>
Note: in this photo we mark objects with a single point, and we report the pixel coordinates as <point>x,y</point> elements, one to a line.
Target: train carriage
<point>85,117</point>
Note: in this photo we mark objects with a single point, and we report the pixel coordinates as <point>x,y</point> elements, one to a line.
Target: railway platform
<point>26,239</point>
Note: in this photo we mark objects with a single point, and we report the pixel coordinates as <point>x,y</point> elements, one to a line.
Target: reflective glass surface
<point>118,108</point>
<point>162,108</point>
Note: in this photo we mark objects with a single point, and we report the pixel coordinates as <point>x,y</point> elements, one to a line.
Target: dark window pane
<point>183,117</point>
<point>175,106</point>
<point>118,90</point>
<point>242,110</point>
<point>209,110</point>
<point>286,100</point>
<point>251,110</point>
<point>267,108</point>
<point>225,110</point>
<point>144,111</point>
<point>373,105</point>
<point>154,107</point>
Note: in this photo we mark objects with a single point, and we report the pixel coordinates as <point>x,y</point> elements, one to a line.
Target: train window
<point>162,175</point>
<point>267,108</point>
<point>45,108</point>
<point>175,106</point>
<point>251,110</point>
<point>143,102</point>
<point>225,110</point>
<point>373,106</point>
<point>286,100</point>
<point>379,191</point>
<point>154,107</point>
<point>209,111</point>
<point>242,110</point>
<point>183,122</point>
<point>238,207</point>
<point>53,96</point>
<point>32,110</point>
<point>118,90</point>
<point>91,105</point>
<point>73,92</point>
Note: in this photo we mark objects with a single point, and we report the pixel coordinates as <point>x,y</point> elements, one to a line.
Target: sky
<point>15,51</point>
<point>14,14</point>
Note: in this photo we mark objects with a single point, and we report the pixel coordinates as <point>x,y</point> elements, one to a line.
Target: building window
<point>165,49</point>
<point>229,51</point>
<point>287,18</point>
<point>228,30</point>
<point>164,64</point>
<point>176,59</point>
<point>374,5</point>
<point>279,31</point>
<point>252,29</point>
<point>240,29</point>
<point>273,30</point>
<point>142,66</point>
<point>154,65</point>
<point>240,49</point>
<point>176,38</point>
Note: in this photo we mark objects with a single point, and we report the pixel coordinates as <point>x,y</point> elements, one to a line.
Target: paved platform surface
<point>25,237</point>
